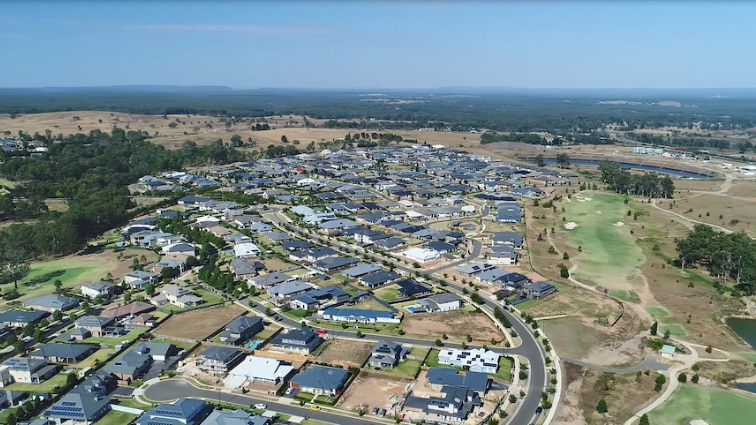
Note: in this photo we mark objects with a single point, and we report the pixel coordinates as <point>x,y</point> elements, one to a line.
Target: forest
<point>731,258</point>
<point>648,185</point>
<point>91,171</point>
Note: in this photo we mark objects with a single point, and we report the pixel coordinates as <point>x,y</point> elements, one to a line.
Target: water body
<point>641,167</point>
<point>747,387</point>
<point>745,328</point>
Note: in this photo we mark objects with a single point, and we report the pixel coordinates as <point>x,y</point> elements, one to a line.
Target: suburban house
<point>286,290</point>
<point>176,295</point>
<point>334,264</point>
<point>169,263</point>
<point>313,299</point>
<point>452,406</point>
<point>243,269</point>
<point>513,239</point>
<point>438,377</point>
<point>246,250</point>
<point>179,251</point>
<point>513,281</point>
<point>381,278</point>
<point>410,288</point>
<point>302,341</point>
<point>20,318</point>
<point>241,329</point>
<point>257,369</point>
<point>51,303</point>
<point>101,289</point>
<point>503,255</point>
<point>132,365</point>
<point>267,280</point>
<point>475,360</point>
<point>235,417</point>
<point>132,309</point>
<point>98,326</point>
<point>387,354</point>
<point>320,380</point>
<point>441,302</point>
<point>509,212</point>
<point>538,290</point>
<point>218,360</point>
<point>59,352</point>
<point>354,315</point>
<point>421,255</point>
<point>139,279</point>
<point>79,407</point>
<point>184,411</point>
<point>26,370</point>
<point>360,270</point>
<point>472,269</point>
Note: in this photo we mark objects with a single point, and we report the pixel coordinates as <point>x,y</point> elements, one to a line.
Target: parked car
<point>321,331</point>
<point>289,391</point>
<point>261,406</point>
<point>376,410</point>
<point>539,410</point>
<point>315,407</point>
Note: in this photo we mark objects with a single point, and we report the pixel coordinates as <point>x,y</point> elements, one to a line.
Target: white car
<point>261,406</point>
<point>289,391</point>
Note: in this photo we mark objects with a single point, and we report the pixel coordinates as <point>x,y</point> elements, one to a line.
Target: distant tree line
<point>728,257</point>
<point>648,185</point>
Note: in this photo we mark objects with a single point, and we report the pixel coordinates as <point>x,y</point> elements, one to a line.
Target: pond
<point>628,165</point>
<point>747,387</point>
<point>745,328</point>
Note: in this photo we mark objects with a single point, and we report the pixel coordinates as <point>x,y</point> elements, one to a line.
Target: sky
<point>379,44</point>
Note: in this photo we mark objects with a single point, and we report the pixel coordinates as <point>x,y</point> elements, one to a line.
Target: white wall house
<point>421,255</point>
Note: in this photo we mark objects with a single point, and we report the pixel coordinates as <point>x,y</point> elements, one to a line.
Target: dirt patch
<point>346,353</point>
<point>198,324</point>
<point>736,214</point>
<point>725,372</point>
<point>456,326</point>
<point>624,395</point>
<point>371,391</point>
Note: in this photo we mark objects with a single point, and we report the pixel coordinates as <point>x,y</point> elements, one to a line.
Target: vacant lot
<point>456,326</point>
<point>371,391</point>
<point>583,388</point>
<point>346,353</point>
<point>736,214</point>
<point>198,324</point>
<point>74,270</point>
<point>715,406</point>
<point>609,255</point>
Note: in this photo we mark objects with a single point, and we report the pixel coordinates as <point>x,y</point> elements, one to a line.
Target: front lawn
<point>58,380</point>
<point>112,341</point>
<point>388,294</point>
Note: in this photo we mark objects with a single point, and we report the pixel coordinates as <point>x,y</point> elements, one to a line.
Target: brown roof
<point>142,319</point>
<point>135,308</point>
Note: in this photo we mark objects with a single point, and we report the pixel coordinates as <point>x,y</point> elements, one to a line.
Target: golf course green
<point>717,407</point>
<point>610,256</point>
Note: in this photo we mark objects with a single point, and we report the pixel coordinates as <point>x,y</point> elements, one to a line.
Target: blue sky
<point>387,44</point>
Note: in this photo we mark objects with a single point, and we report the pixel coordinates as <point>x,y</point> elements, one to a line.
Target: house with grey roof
<point>139,279</point>
<point>218,360</point>
<point>131,365</point>
<point>284,291</point>
<point>267,280</point>
<point>101,289</point>
<point>334,264</point>
<point>21,318</point>
<point>51,303</point>
<point>59,352</point>
<point>320,380</point>
<point>78,408</point>
<point>302,341</point>
<point>184,411</point>
<point>380,278</point>
<point>26,370</point>
<point>179,296</point>
<point>441,302</point>
<point>538,290</point>
<point>514,239</point>
<point>387,354</point>
<point>98,326</point>
<point>234,417</point>
<point>337,225</point>
<point>241,329</point>
<point>361,269</point>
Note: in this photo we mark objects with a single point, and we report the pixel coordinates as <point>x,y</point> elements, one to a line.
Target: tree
<point>682,378</point>
<point>13,266</point>
<point>644,420</point>
<point>654,328</point>
<point>284,139</point>
<point>694,379</point>
<point>57,315</point>
<point>540,161</point>
<point>564,272</point>
<point>149,289</point>
<point>58,286</point>
<point>563,160</point>
<point>565,256</point>
<point>602,407</point>
<point>659,382</point>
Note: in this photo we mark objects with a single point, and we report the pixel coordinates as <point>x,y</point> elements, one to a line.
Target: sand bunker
<point>583,199</point>
<point>571,225</point>
<point>598,212</point>
<point>618,224</point>
<point>698,422</point>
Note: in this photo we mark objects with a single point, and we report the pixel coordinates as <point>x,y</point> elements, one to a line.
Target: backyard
<point>116,418</point>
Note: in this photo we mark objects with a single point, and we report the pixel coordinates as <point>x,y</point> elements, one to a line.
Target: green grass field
<point>717,407</point>
<point>610,255</point>
<point>674,330</point>
<point>625,295</point>
<point>505,369</point>
<point>748,356</point>
<point>99,357</point>
<point>657,311</point>
<point>408,367</point>
<point>58,380</point>
<point>110,341</point>
<point>116,418</point>
<point>388,294</point>
<point>73,273</point>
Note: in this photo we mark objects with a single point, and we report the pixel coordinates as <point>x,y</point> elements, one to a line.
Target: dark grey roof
<point>321,377</point>
<point>380,278</point>
<point>221,354</point>
<point>63,350</point>
<point>19,316</point>
<point>52,301</point>
<point>410,287</point>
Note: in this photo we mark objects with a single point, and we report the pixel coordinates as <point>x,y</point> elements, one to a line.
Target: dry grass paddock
<point>346,353</point>
<point>371,391</point>
<point>198,324</point>
<point>456,326</point>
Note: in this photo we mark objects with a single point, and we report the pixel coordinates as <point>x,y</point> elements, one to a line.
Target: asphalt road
<point>167,391</point>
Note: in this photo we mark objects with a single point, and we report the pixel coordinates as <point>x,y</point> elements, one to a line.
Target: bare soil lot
<point>737,214</point>
<point>371,391</point>
<point>198,324</point>
<point>456,325</point>
<point>346,353</point>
